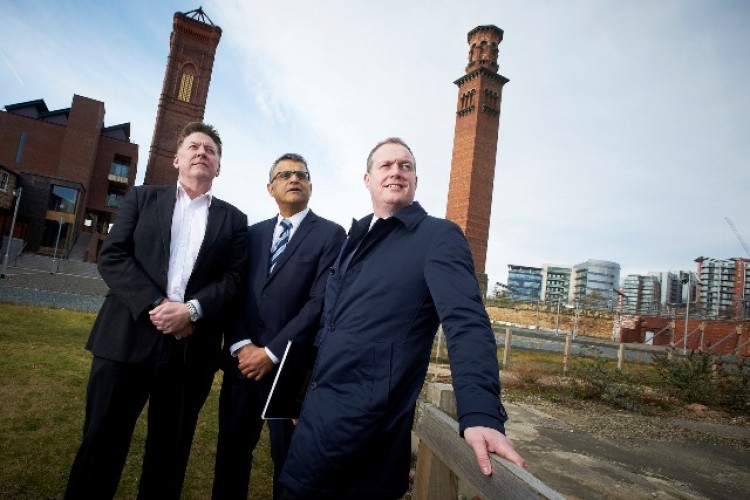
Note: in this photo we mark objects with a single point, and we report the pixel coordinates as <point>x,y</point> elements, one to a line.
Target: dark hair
<point>390,140</point>
<point>290,157</point>
<point>203,128</point>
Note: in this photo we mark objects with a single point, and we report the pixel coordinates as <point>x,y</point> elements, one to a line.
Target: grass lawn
<point>44,369</point>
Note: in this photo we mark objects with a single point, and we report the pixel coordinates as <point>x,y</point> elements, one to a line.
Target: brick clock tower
<point>475,144</point>
<point>192,47</point>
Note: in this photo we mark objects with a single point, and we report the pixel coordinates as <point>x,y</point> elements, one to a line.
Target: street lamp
<point>686,279</point>
<point>623,298</point>
<point>55,263</point>
<point>17,194</point>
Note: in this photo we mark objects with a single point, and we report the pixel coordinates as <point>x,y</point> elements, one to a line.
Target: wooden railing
<point>446,463</point>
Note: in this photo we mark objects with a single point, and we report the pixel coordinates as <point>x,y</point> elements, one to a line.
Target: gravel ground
<point>588,450</point>
<point>30,286</point>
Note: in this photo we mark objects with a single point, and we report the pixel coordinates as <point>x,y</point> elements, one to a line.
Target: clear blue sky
<point>624,130</point>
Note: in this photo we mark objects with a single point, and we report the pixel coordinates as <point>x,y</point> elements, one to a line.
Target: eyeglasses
<point>287,174</point>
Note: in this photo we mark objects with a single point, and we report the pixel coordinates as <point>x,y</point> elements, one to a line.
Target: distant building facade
<point>524,283</point>
<point>724,287</point>
<point>72,170</point>
<point>555,283</point>
<point>594,281</point>
<point>642,294</point>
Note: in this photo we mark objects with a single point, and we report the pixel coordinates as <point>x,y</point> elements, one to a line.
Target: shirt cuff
<point>237,345</point>
<point>271,356</point>
<point>197,307</point>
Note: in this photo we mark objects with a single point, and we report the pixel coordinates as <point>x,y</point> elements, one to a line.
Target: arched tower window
<point>186,84</point>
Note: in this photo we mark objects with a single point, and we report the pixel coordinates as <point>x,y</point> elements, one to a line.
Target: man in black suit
<point>174,259</point>
<point>286,282</point>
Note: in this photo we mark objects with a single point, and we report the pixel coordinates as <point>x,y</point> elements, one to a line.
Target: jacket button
<point>260,323</point>
<point>331,271</point>
<point>313,386</point>
<point>263,297</point>
<point>331,327</point>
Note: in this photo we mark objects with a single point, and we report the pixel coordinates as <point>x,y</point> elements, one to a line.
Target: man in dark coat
<point>400,274</point>
<point>284,301</point>
<point>173,261</point>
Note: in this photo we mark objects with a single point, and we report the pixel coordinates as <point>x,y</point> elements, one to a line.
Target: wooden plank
<point>508,481</point>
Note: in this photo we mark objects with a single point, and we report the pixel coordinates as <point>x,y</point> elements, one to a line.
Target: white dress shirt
<point>188,230</point>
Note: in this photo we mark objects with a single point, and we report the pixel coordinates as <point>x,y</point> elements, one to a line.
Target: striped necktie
<point>280,245</point>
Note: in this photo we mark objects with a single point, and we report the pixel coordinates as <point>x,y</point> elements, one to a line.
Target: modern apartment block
<point>724,287</point>
<point>524,283</point>
<point>671,288</point>
<point>594,281</point>
<point>555,282</point>
<point>642,294</point>
<point>72,171</point>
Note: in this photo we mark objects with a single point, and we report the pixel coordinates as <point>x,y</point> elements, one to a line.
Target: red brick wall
<point>41,151</point>
<point>714,332</point>
<point>81,141</point>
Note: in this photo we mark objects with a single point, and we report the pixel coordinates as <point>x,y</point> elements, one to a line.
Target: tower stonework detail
<point>192,47</point>
<point>475,143</point>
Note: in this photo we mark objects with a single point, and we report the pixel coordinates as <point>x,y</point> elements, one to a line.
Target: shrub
<point>594,377</point>
<point>697,378</point>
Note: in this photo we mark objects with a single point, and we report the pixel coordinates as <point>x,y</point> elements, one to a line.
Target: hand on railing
<point>484,440</point>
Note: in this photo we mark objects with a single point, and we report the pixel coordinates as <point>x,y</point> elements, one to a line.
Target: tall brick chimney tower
<point>475,143</point>
<point>192,47</point>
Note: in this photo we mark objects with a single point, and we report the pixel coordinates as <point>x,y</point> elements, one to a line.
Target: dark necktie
<point>280,245</point>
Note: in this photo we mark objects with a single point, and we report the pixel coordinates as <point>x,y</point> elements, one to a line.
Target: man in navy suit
<point>173,261</point>
<point>400,274</point>
<point>288,268</point>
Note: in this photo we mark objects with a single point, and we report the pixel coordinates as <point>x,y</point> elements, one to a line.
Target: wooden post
<point>620,356</point>
<point>506,351</point>
<point>433,479</point>
<point>671,338</point>
<point>566,354</point>
<point>702,328</point>
<point>439,339</point>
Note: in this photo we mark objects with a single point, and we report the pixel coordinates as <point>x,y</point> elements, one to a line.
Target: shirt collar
<point>182,194</point>
<point>295,219</point>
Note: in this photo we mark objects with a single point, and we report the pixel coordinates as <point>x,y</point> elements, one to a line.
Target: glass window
<point>119,170</point>
<point>4,177</point>
<point>186,87</point>
<point>19,151</point>
<point>63,199</point>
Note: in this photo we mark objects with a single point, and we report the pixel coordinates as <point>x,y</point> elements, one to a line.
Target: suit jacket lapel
<point>265,252</point>
<point>165,202</point>
<point>357,232</point>
<point>378,231</point>
<point>216,214</point>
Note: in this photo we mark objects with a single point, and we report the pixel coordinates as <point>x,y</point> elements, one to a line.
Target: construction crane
<point>737,234</point>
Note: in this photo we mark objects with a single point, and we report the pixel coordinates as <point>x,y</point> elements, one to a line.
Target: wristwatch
<point>192,311</point>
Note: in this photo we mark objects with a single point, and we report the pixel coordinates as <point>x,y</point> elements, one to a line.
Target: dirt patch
<point>590,323</point>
